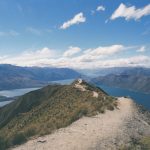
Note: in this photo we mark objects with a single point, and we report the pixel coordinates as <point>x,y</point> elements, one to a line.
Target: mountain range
<point>115,70</point>
<point>15,77</point>
<point>137,79</point>
<point>133,78</point>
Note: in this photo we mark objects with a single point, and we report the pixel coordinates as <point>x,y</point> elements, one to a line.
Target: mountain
<point>137,79</point>
<point>42,111</point>
<point>13,77</point>
<point>115,70</point>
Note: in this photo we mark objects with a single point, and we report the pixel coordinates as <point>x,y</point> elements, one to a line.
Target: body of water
<point>19,92</point>
<point>139,98</point>
<point>66,82</point>
<point>5,103</point>
<point>16,92</point>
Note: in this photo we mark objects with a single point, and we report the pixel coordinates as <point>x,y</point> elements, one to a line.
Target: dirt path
<point>90,133</point>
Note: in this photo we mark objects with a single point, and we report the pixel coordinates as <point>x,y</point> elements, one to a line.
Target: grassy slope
<point>43,111</point>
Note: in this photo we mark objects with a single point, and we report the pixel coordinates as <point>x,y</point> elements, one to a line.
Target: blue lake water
<point>16,92</point>
<point>19,92</point>
<point>4,103</point>
<point>139,98</point>
<point>67,81</point>
<point>13,93</point>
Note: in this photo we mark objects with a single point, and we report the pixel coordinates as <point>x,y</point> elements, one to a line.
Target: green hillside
<point>42,111</point>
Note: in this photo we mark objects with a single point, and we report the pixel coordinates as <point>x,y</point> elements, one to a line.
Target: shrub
<point>2,143</point>
<point>145,143</point>
<point>110,107</point>
<point>19,138</point>
<point>30,132</point>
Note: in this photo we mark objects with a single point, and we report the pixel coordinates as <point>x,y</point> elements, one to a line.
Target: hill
<point>13,77</point>
<point>43,111</point>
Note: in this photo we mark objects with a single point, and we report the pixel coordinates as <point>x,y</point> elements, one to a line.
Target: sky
<point>80,34</point>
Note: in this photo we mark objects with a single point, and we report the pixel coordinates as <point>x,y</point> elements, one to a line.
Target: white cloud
<point>130,12</point>
<point>78,18</point>
<point>139,60</point>
<point>9,33</point>
<point>29,58</point>
<point>106,50</point>
<point>103,56</point>
<point>100,8</point>
<point>71,51</point>
<point>142,49</point>
<point>100,52</point>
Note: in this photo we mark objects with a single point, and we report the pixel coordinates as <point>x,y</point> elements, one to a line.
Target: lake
<point>66,82</point>
<point>14,93</point>
<point>139,98</point>
<point>4,103</point>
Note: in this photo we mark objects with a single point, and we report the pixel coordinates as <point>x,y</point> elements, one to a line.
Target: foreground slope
<point>43,111</point>
<point>125,128</point>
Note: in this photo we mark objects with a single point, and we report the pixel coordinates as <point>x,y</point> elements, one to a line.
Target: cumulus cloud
<point>130,12</point>
<point>142,49</point>
<point>74,57</point>
<point>100,8</point>
<point>71,51</point>
<point>105,50</point>
<point>139,60</point>
<point>100,52</point>
<point>29,58</point>
<point>78,18</point>
<point>9,33</point>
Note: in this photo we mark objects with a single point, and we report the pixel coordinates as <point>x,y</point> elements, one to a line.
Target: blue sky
<point>75,33</point>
